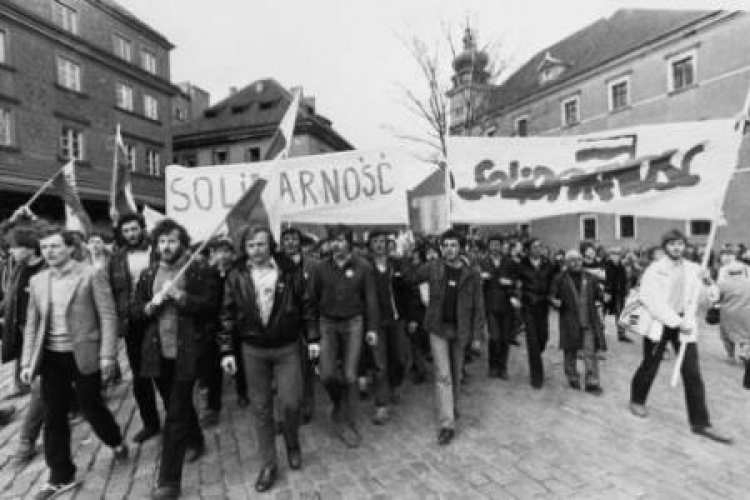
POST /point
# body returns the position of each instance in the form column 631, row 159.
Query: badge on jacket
column 349, row 273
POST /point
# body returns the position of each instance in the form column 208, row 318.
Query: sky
column 352, row 55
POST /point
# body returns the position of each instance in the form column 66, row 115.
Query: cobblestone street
column 513, row 442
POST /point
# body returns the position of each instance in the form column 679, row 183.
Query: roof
column 259, row 106
column 593, row 46
column 122, row 11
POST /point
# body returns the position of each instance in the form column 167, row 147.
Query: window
column 130, row 152
column 180, row 114
column 65, row 17
column 68, row 74
column 252, row 154
column 3, row 46
column 6, row 127
column 221, row 156
column 71, row 143
column 125, row 96
column 570, row 112
column 682, row 71
column 148, row 61
column 589, row 229
column 150, row 107
column 699, row 227
column 153, row 161
column 522, row 126
column 619, row 94
column 625, row 227
column 123, row 48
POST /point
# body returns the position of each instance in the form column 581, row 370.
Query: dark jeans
column 143, row 387
column 60, row 381
column 34, row 418
column 341, row 342
column 388, row 361
column 240, row 378
column 181, row 427
column 500, row 327
column 263, row 366
column 695, row 393
column 536, row 320
column 209, row 366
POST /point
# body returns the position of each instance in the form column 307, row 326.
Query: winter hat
column 672, row 235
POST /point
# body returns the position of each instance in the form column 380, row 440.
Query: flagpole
column 711, row 238
column 113, row 215
column 42, row 188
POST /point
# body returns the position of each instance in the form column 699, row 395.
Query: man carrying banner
column 267, row 306
column 132, row 258
column 345, row 297
column 454, row 318
column 668, row 292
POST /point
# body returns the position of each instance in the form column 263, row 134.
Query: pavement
column 513, row 442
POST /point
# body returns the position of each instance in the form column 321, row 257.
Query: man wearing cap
column 346, row 301
column 670, row 291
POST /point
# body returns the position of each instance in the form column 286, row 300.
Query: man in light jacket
column 69, row 341
column 671, row 289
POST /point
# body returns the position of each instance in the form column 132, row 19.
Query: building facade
column 70, row 71
column 239, row 129
column 634, row 67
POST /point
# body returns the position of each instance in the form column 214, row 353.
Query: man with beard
column 132, row 258
column 670, row 289
column 170, row 304
column 291, row 246
column 27, row 255
column 267, row 306
column 535, row 276
column 577, row 296
column 70, row 341
column 346, row 302
column 454, row 319
column 500, row 302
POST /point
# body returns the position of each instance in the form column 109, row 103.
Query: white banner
column 673, row 171
column 353, row 187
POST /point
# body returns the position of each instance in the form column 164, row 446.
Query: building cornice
column 655, row 44
column 31, row 21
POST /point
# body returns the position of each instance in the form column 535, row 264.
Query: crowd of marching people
column 360, row 317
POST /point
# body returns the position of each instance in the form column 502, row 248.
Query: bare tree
column 430, row 103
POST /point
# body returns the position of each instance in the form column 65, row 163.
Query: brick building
column 239, row 128
column 634, row 67
column 70, row 71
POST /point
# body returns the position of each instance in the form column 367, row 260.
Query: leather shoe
column 295, row 459
column 145, row 434
column 166, row 493
column 445, row 436
column 712, row 434
column 596, row 390
column 625, row 339
column 638, row 410
column 574, row 384
column 195, row 452
column 266, row 478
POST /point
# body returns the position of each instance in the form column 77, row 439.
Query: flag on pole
column 121, row 201
column 281, row 141
column 249, row 210
column 152, row 217
column 76, row 218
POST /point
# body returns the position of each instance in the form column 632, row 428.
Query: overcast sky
column 349, row 54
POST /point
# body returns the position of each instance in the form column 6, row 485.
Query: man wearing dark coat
column 577, row 294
